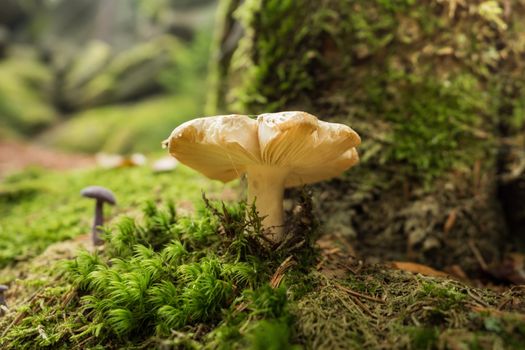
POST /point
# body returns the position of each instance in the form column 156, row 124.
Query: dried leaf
column 451, row 220
column 417, row 268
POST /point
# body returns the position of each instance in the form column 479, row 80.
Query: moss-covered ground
column 40, row 207
column 205, row 279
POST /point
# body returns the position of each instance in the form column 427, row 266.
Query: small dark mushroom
column 101, row 195
column 3, row 304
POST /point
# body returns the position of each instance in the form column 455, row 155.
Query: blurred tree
column 97, row 52
column 435, row 89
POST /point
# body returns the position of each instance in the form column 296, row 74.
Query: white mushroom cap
column 222, row 147
column 219, row 147
column 313, row 150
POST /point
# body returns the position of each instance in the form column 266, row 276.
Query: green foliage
column 135, row 127
column 188, row 76
column 129, row 74
column 25, row 96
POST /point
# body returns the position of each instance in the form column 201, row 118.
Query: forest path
column 17, row 155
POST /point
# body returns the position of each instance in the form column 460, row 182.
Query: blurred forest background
column 92, row 75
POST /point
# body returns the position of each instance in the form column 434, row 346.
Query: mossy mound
column 209, row 281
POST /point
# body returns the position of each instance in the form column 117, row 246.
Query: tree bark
column 436, row 89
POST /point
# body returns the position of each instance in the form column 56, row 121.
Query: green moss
column 424, row 338
column 267, row 58
column 396, row 4
column 436, row 124
column 39, row 208
column 448, row 296
column 143, row 288
column 270, row 335
column 171, row 281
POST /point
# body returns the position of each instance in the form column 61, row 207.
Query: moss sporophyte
column 275, row 151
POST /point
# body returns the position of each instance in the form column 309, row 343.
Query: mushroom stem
column 98, row 221
column 266, row 188
column 3, row 304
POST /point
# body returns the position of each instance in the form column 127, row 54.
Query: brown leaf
column 417, row 268
column 451, row 220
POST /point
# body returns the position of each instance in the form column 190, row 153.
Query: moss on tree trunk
column 436, row 89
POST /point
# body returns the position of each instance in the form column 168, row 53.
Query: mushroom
column 101, row 195
column 275, row 151
column 3, row 304
column 165, row 164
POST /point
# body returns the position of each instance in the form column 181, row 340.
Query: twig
column 279, row 273
column 28, row 300
column 364, row 307
column 20, row 315
column 320, row 263
column 15, row 321
column 346, row 266
column 68, row 297
column 477, row 298
column 359, row 295
column 477, row 254
column 503, row 304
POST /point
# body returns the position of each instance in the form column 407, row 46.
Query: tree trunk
column 436, row 89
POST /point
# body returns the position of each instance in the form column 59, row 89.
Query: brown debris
column 477, row 254
column 281, row 270
column 451, row 220
column 511, row 269
column 417, row 268
column 360, row 295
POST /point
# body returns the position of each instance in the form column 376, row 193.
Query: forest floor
column 331, row 300
column 17, row 155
